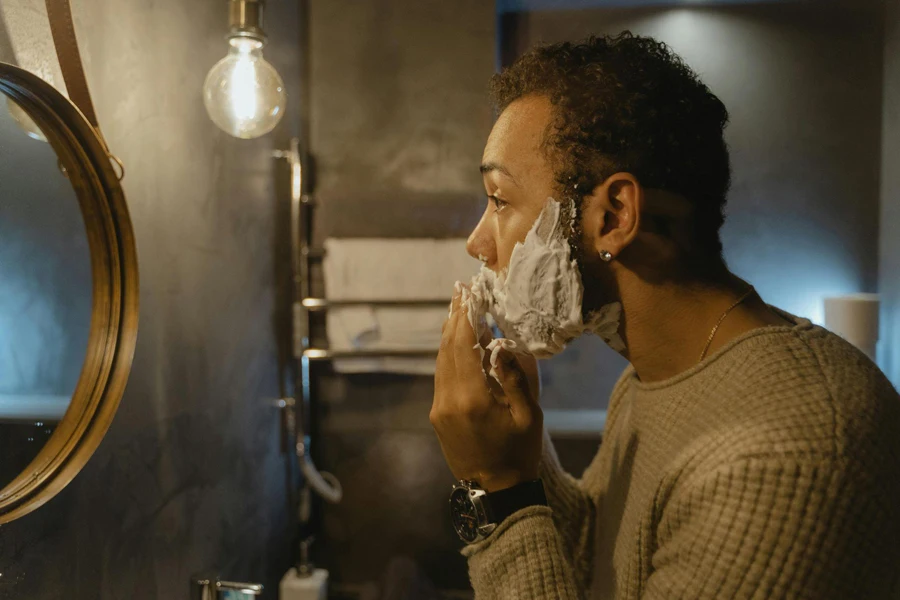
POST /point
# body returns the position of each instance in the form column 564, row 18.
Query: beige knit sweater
column 770, row 470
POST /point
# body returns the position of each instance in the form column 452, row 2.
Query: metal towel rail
column 308, row 305
column 325, row 484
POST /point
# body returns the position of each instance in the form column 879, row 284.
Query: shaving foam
column 537, row 300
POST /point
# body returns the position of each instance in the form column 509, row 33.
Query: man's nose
column 481, row 245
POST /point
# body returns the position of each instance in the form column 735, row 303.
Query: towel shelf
column 321, row 304
column 307, row 305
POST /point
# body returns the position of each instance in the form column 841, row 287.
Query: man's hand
column 489, row 432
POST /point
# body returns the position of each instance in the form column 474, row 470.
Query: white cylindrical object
column 855, row 318
column 312, row 587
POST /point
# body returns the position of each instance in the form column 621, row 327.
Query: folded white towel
column 366, row 269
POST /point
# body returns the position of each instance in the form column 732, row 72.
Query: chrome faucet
column 213, row 588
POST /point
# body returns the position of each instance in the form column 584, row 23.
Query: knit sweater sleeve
column 539, row 552
column 777, row 528
column 522, row 559
column 574, row 513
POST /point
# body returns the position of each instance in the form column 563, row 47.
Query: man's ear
column 612, row 214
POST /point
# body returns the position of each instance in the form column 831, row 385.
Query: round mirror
column 68, row 291
column 45, row 296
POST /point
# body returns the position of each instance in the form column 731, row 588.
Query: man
column 747, row 452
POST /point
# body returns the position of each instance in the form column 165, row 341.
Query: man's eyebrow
column 492, row 166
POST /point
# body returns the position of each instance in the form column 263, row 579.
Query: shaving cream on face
column 537, row 300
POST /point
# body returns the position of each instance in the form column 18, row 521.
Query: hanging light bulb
column 243, row 94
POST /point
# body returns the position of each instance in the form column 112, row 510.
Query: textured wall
column 25, row 40
column 189, row 477
column 803, row 87
column 889, row 284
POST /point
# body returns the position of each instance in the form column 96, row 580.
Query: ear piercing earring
column 605, row 256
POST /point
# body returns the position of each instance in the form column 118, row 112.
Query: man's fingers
column 466, row 354
column 517, row 391
column 444, row 373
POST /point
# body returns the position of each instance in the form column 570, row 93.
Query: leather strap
column 63, row 30
column 504, row 503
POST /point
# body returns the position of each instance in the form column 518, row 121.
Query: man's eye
column 498, row 203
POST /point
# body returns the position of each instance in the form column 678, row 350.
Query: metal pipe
column 324, row 484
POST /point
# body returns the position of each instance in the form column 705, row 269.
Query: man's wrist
column 504, row 503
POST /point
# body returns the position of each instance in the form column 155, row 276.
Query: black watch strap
column 503, row 503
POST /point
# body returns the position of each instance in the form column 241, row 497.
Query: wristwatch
column 476, row 513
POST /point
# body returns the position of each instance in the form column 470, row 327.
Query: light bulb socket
column 245, row 19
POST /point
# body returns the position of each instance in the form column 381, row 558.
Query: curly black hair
column 628, row 103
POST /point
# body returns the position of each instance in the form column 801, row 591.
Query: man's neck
column 667, row 326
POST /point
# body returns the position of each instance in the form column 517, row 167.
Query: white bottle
column 313, row 586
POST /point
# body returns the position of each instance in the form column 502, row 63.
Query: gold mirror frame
column 114, row 315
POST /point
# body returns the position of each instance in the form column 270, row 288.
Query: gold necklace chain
column 712, row 333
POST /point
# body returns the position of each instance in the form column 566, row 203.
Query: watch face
column 462, row 511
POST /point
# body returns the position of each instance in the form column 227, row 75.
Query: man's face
column 517, row 179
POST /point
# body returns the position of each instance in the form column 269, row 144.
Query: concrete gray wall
column 190, row 476
column 889, row 254
column 802, row 83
